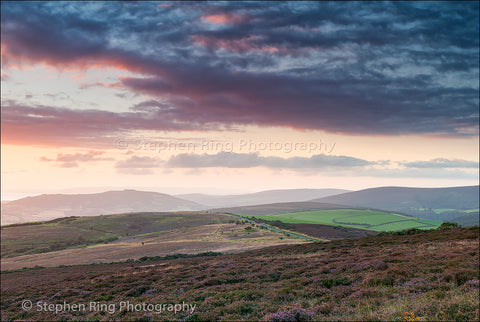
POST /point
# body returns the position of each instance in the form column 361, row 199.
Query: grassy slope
column 356, row 218
column 64, row 241
column 439, row 211
column 433, row 274
column 74, row 232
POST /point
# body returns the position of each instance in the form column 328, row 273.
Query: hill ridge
column 51, row 206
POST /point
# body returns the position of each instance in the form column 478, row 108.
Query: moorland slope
column 430, row 275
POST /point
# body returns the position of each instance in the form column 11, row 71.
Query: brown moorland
column 431, row 275
column 113, row 238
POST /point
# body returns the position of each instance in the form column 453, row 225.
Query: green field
column 439, row 211
column 355, row 218
column 472, row 210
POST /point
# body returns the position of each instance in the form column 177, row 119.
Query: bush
column 448, row 225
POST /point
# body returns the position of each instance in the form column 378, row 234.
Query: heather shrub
column 455, row 311
column 473, row 283
column 326, row 307
column 335, row 281
column 290, row 315
column 286, row 294
column 385, row 280
column 377, row 282
column 138, row 291
column 363, row 293
column 240, row 308
column 461, row 276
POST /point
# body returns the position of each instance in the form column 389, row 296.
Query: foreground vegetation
column 425, row 275
column 355, row 218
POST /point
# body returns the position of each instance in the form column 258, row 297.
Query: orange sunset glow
column 291, row 100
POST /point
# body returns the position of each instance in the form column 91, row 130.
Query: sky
column 233, row 97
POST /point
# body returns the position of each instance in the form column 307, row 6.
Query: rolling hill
column 109, row 238
column 419, row 202
column 280, row 208
column 50, row 206
column 262, row 197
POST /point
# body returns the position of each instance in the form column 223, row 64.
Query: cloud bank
column 249, row 160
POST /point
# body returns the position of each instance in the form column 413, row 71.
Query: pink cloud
column 71, row 160
column 224, row 18
column 49, row 126
column 101, row 84
column 20, row 56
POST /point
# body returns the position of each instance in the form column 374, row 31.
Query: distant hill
column 52, row 206
column 280, row 208
column 420, row 202
column 263, row 197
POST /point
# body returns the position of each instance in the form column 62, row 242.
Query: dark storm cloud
column 48, row 125
column 343, row 67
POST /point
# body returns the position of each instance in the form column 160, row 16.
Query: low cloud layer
column 250, row 160
column 72, row 160
column 441, row 163
column 137, row 165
